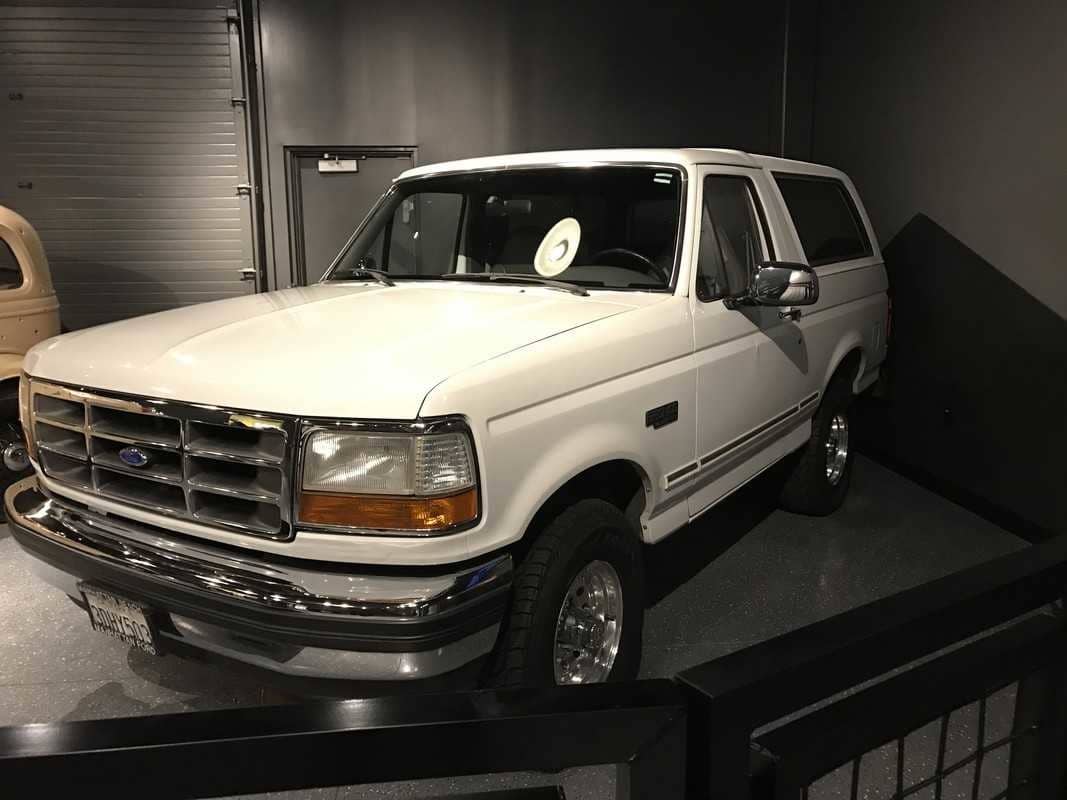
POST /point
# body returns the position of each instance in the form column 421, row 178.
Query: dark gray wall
column 952, row 119
column 461, row 79
column 957, row 109
column 950, row 116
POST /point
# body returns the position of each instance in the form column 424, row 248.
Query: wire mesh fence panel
column 993, row 748
column 962, row 755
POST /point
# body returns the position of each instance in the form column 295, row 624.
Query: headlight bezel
column 452, row 424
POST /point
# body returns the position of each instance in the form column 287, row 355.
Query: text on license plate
column 120, row 618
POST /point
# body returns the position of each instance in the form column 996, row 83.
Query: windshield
column 610, row 227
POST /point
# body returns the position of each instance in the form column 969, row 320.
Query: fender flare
column 850, row 342
column 10, row 366
column 584, row 450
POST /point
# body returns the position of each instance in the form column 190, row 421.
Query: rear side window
column 10, row 271
column 825, row 217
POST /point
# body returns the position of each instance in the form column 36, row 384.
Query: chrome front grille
column 221, row 468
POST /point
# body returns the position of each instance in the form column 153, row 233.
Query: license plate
column 124, row 619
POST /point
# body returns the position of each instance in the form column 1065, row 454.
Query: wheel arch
column 620, row 481
column 9, row 395
column 10, row 367
column 849, row 359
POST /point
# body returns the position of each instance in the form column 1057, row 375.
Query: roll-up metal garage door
column 123, row 140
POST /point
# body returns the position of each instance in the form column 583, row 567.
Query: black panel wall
column 460, row 79
column 950, row 116
column 952, row 119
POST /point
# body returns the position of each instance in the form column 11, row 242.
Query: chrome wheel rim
column 589, row 626
column 837, row 449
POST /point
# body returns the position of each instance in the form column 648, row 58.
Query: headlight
column 416, row 483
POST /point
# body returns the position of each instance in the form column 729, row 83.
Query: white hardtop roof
column 682, row 156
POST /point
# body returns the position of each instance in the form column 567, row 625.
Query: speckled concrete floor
column 743, row 573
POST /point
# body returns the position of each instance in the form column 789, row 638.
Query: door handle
column 248, row 274
column 789, row 313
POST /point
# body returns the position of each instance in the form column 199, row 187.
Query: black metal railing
column 973, row 726
column 639, row 726
column 957, row 688
column 734, row 697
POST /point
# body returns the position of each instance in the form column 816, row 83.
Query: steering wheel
column 647, row 264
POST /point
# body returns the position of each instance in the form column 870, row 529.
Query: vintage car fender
column 28, row 313
column 10, row 366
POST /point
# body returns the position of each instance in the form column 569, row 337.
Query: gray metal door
column 122, row 143
column 332, row 202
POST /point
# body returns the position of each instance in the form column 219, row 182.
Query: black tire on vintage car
column 822, row 471
column 10, row 434
column 578, row 603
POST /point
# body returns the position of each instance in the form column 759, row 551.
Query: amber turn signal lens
column 389, row 513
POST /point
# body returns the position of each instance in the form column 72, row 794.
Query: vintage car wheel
column 820, row 478
column 12, row 451
column 578, row 603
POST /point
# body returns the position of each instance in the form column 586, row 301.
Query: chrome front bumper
column 294, row 617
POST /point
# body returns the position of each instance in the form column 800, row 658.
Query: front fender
column 10, row 366
column 569, row 455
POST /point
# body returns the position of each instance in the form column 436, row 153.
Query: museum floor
column 743, row 573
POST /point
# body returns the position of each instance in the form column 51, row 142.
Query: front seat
column 735, row 266
column 517, row 254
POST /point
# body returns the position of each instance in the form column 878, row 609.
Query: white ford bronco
column 517, row 373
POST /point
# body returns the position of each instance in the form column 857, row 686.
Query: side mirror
column 784, row 283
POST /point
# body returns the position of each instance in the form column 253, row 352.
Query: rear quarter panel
column 850, row 314
column 853, row 304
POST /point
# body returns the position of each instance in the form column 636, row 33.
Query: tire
column 590, row 532
column 10, row 432
column 810, row 488
column 9, row 400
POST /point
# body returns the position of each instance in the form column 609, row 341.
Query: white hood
column 347, row 350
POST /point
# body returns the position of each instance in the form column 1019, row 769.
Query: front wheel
column 578, row 603
column 820, row 478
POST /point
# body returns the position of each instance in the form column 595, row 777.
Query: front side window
column 730, row 242
column 825, row 217
column 604, row 227
column 10, row 271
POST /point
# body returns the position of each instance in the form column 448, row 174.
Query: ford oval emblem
column 133, row 456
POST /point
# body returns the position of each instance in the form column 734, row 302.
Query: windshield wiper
column 375, row 275
column 504, row 277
